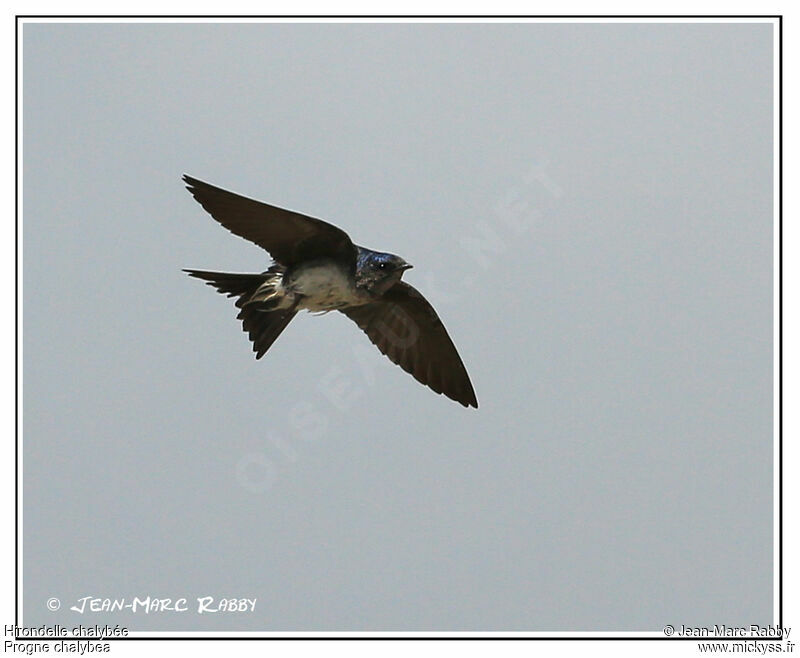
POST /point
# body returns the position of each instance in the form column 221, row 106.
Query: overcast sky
column 588, row 207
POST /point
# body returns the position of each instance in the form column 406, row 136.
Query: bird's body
column 323, row 286
column 317, row 268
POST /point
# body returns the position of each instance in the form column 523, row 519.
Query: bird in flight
column 316, row 267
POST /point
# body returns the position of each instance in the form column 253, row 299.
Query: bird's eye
column 383, row 265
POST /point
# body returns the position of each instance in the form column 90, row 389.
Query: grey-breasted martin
column 316, row 267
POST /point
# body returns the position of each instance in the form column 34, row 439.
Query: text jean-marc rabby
column 149, row 604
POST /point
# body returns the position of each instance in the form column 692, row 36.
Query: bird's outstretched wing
column 288, row 236
column 404, row 326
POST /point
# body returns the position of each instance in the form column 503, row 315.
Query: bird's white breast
column 324, row 287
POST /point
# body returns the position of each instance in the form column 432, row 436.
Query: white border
column 776, row 328
column 378, row 19
column 465, row 635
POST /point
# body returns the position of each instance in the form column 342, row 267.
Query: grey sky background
column 616, row 324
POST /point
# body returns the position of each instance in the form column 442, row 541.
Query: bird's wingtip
column 466, row 401
column 190, row 181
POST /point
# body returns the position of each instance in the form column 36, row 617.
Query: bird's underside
column 318, row 268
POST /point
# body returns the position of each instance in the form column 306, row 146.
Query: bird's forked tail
column 261, row 317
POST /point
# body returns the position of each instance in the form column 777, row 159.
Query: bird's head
column 378, row 271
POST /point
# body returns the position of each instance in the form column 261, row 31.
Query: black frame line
column 18, row 22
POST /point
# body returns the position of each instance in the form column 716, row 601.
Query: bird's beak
column 405, row 267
